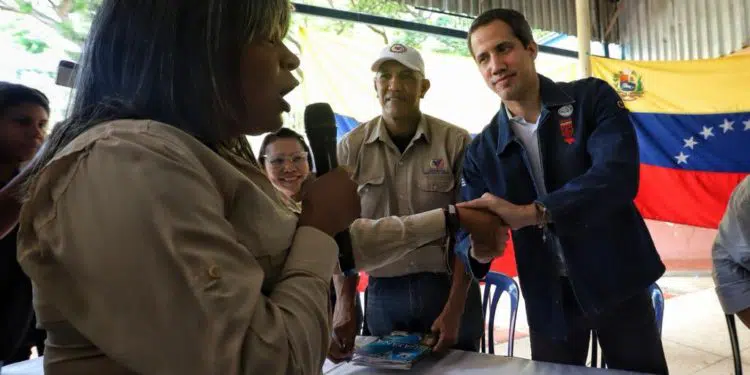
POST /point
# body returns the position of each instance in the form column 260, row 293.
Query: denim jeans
column 413, row 302
column 628, row 336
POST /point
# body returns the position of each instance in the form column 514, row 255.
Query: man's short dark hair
column 512, row 18
column 13, row 94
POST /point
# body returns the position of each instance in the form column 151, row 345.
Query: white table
column 30, row 367
column 467, row 363
column 455, row 362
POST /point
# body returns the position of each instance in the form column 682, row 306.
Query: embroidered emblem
column 566, row 130
column 565, row 111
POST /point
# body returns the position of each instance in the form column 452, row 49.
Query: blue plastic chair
column 657, row 299
column 502, row 283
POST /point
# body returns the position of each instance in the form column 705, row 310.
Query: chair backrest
column 502, row 283
column 657, row 299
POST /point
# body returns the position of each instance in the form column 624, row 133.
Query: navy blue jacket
column 591, row 170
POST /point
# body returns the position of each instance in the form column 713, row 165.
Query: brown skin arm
column 448, row 324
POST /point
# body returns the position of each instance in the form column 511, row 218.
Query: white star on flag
column 690, row 143
column 682, row 158
column 727, row 125
column 747, row 124
column 708, row 131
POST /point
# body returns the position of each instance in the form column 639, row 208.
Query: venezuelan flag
column 693, row 125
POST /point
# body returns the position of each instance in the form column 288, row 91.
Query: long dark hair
column 177, row 62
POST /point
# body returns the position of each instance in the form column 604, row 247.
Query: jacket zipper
column 543, row 118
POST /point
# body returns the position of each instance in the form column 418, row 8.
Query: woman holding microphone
column 156, row 243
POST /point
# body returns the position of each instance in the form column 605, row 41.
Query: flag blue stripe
column 712, row 143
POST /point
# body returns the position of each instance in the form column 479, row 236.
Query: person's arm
column 10, row 202
column 612, row 180
column 472, row 187
column 730, row 254
column 154, row 276
column 10, row 207
column 376, row 243
column 740, row 202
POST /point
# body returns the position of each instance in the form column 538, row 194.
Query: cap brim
column 376, row 65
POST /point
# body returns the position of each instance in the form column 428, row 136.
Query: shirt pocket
column 373, row 195
column 435, row 191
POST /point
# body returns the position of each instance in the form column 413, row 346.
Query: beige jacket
column 152, row 254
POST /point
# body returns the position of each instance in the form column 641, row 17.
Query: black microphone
column 320, row 126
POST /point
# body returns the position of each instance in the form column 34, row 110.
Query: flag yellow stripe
column 680, row 87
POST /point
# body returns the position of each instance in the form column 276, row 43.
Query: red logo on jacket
column 566, row 130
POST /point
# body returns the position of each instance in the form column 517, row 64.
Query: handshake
column 331, row 203
column 488, row 220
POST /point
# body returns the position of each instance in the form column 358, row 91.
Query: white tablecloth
column 30, row 367
column 455, row 362
column 466, row 363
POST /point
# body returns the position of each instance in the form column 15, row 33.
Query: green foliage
column 33, row 45
column 71, row 19
column 398, row 10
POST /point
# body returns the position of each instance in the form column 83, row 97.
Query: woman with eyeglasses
column 287, row 160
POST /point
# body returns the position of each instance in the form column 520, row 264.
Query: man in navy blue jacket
column 559, row 164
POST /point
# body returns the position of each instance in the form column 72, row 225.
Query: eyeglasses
column 278, row 161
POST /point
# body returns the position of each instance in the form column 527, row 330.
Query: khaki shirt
column 152, row 254
column 423, row 178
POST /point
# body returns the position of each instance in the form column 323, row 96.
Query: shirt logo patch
column 566, row 130
column 437, row 166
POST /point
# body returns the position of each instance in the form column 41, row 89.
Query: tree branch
column 295, row 42
column 47, row 21
column 379, row 32
column 41, row 17
column 63, row 10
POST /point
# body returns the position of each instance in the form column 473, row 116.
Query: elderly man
column 406, row 162
column 731, row 254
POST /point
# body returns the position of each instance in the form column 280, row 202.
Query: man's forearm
column 459, row 286
column 346, row 289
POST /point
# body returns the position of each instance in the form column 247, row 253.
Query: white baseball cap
column 408, row 56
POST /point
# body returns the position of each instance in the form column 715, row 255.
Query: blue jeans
column 627, row 334
column 413, row 302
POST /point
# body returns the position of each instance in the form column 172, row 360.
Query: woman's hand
column 489, row 234
column 330, row 203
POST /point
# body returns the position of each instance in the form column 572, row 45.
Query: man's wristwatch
column 452, row 221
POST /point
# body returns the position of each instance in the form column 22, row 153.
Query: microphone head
column 319, row 116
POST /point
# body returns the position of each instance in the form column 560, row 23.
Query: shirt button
column 400, row 163
column 214, row 272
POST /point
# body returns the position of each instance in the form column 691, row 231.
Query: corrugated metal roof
column 551, row 15
column 683, row 29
